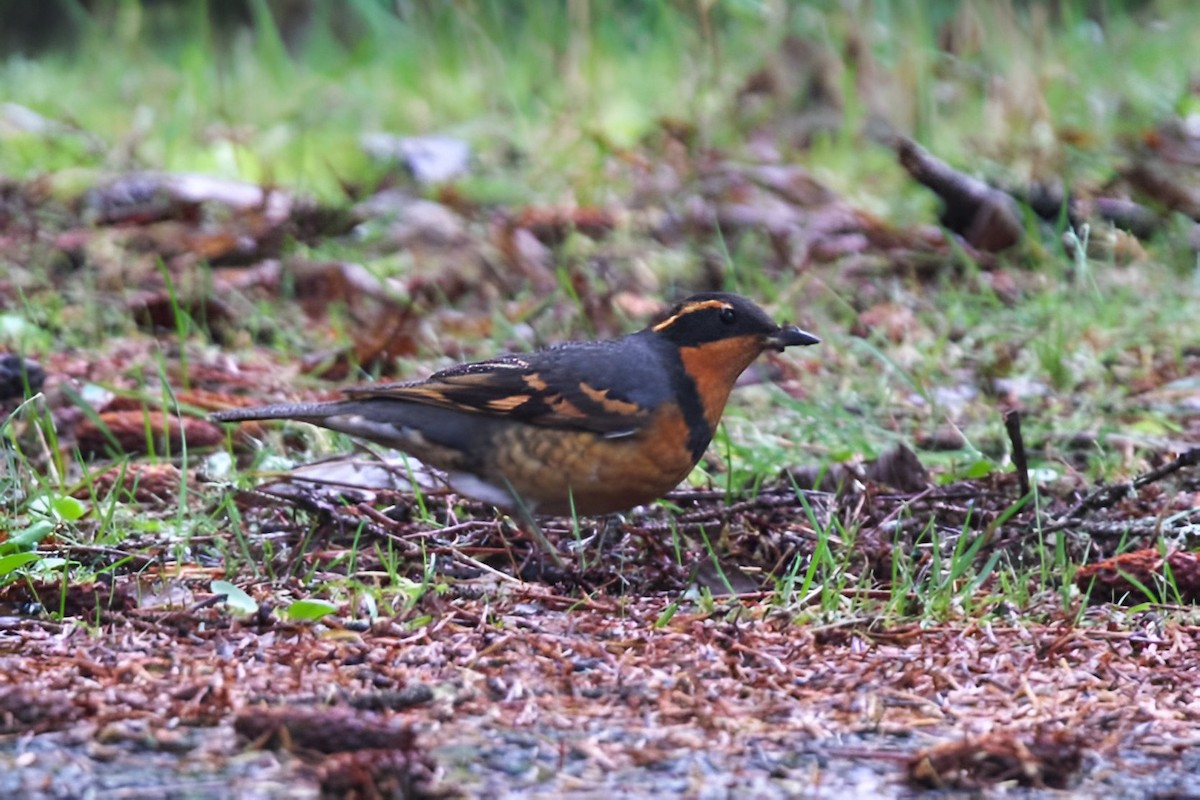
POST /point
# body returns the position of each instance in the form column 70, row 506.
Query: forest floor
column 951, row 547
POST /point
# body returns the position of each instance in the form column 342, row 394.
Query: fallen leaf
column 1041, row 760
column 1122, row 577
column 985, row 217
column 127, row 432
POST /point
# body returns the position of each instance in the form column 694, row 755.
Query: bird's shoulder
column 610, row 387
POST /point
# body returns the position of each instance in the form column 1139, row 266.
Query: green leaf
column 14, row 561
column 67, row 508
column 309, row 610
column 235, row 598
column 58, row 507
column 1153, row 426
column 980, row 469
column 27, row 539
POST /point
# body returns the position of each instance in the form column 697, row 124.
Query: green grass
column 161, row 88
column 172, row 93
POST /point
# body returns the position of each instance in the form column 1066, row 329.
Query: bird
column 583, row 428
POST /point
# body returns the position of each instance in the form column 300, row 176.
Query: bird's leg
column 526, row 522
column 613, row 526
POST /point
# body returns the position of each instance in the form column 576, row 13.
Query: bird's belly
column 551, row 469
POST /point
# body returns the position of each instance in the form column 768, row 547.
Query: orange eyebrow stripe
column 690, row 308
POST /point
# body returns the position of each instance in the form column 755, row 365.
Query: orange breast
column 550, row 467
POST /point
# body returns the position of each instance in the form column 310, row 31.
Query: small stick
column 1107, row 496
column 1012, row 424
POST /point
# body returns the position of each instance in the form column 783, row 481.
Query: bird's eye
column 728, row 316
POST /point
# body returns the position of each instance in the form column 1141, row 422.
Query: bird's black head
column 718, row 316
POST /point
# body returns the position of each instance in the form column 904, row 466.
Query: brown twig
column 1107, row 496
column 1012, row 424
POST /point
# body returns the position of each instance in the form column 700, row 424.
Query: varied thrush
column 589, row 427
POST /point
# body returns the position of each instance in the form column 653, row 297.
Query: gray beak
column 790, row 336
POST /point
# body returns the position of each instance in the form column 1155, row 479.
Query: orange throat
column 715, row 367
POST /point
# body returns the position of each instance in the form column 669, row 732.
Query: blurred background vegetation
column 279, row 91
